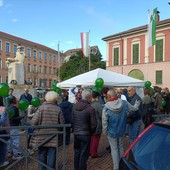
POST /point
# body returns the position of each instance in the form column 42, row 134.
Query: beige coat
column 47, row 114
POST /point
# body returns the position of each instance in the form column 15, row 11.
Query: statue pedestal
column 16, row 72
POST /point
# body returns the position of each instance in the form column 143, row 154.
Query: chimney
column 157, row 16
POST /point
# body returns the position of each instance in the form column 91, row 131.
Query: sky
column 53, row 22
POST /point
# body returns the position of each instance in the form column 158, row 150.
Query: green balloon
column 54, row 84
column 147, row 84
column 58, row 90
column 35, row 101
column 99, row 82
column 151, row 89
column 23, row 104
column 4, row 89
column 11, row 112
column 53, row 89
column 95, row 89
column 163, row 102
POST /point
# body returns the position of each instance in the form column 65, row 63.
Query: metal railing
column 31, row 154
column 160, row 117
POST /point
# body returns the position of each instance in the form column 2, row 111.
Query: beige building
column 69, row 53
column 41, row 63
column 128, row 54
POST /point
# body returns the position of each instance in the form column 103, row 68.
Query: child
column 14, row 121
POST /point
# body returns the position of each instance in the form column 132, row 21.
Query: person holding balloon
column 14, row 119
column 158, row 100
column 4, row 121
column 28, row 97
column 10, row 95
column 166, row 100
column 95, row 138
column 32, row 108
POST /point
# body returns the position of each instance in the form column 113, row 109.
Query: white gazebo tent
column 110, row 79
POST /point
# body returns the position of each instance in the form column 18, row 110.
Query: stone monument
column 16, row 67
column 16, row 74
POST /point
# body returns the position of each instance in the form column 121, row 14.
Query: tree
column 78, row 65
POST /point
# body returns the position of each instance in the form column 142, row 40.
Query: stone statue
column 16, row 67
column 20, row 56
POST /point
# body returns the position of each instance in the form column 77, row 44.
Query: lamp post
column 58, row 61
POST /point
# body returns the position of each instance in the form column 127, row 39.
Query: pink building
column 127, row 53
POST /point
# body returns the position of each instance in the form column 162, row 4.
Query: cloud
column 69, row 42
column 101, row 18
column 1, row 3
column 14, row 20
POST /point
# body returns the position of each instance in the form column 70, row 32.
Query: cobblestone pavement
column 102, row 163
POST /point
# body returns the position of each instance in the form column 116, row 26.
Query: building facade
column 128, row 53
column 41, row 63
column 69, row 53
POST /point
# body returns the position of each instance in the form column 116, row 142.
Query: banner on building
column 85, row 43
column 152, row 28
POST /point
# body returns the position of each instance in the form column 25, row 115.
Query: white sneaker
column 4, row 164
column 17, row 157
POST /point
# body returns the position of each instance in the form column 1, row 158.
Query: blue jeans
column 116, row 145
column 68, row 135
column 15, row 140
column 134, row 130
column 81, row 151
column 3, row 151
column 47, row 155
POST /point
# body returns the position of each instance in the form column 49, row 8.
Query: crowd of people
column 114, row 112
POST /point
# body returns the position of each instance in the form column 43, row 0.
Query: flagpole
column 58, row 61
column 151, row 32
column 89, row 53
column 147, row 58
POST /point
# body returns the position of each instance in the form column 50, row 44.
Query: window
column 49, row 70
column 54, row 70
column 45, row 69
column 6, row 79
column 35, row 68
column 54, row 59
column 159, row 50
column 50, row 82
column 50, row 57
column 15, row 48
column 0, row 63
column 135, row 53
column 0, row 45
column 159, row 77
column 35, row 82
column 40, row 69
column 29, row 52
column 7, row 47
column 45, row 56
column 41, row 83
column 35, row 54
column 40, row 55
column 116, row 56
column 45, row 82
column 29, row 67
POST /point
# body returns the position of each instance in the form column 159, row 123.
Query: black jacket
column 84, row 118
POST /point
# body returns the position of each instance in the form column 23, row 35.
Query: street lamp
column 169, row 3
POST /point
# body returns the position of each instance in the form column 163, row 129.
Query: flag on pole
column 85, row 43
column 152, row 28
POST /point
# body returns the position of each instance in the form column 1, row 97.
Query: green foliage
column 78, row 65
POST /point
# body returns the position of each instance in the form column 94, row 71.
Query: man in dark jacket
column 66, row 108
column 84, row 125
column 135, row 117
